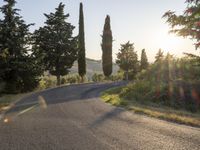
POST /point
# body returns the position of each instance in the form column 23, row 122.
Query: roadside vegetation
column 169, row 88
column 115, row 97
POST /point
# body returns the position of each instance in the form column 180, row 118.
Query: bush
column 47, row 82
column 170, row 82
column 50, row 81
column 98, row 77
column 75, row 78
column 137, row 91
column 116, row 77
column 63, row 81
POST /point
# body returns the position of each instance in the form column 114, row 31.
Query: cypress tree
column 81, row 45
column 107, row 48
column 144, row 61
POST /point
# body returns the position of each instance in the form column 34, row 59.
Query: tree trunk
column 58, row 80
column 82, row 79
column 126, row 75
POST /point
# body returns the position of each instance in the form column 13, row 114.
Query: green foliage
column 115, row 97
column 169, row 82
column 116, row 77
column 159, row 56
column 51, row 81
column 74, row 78
column 187, row 24
column 106, row 45
column 138, row 91
column 55, row 44
column 19, row 69
column 98, row 77
column 4, row 54
column 127, row 59
column 144, row 61
column 101, row 78
column 81, row 45
column 47, row 82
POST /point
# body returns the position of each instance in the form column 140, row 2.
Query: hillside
column 93, row 66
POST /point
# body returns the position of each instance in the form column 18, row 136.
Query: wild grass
column 113, row 97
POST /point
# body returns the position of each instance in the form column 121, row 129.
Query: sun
column 168, row 42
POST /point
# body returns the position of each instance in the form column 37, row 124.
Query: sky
column 137, row 21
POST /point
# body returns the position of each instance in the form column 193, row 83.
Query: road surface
column 76, row 119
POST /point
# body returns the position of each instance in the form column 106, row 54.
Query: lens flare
column 42, row 102
column 6, row 120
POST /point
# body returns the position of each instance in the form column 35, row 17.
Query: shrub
column 139, row 90
column 98, row 77
column 170, row 82
column 47, row 82
column 75, row 78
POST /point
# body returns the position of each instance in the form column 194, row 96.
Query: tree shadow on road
column 115, row 114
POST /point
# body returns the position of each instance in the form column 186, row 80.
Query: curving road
column 76, row 119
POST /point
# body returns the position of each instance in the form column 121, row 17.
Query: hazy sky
column 137, row 21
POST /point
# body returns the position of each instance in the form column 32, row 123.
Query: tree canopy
column 187, row 24
column 56, row 44
column 127, row 58
column 19, row 70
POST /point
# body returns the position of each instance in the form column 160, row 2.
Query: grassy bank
column 113, row 97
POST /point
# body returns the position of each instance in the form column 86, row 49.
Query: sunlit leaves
column 187, row 24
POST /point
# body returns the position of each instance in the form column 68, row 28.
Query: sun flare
column 168, row 42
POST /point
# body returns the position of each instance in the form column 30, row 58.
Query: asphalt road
column 76, row 119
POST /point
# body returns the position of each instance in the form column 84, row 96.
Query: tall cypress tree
column 18, row 67
column 144, row 61
column 81, row 45
column 107, row 48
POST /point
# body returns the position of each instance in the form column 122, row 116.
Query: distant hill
column 93, row 66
